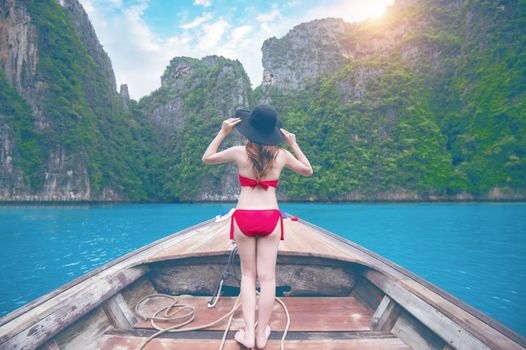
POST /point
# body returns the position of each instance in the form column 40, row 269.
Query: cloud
column 205, row 3
column 140, row 56
column 240, row 32
column 196, row 22
column 349, row 10
column 293, row 3
column 269, row 16
column 212, row 33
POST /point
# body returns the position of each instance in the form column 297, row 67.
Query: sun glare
column 373, row 8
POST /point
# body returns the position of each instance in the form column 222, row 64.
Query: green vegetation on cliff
column 85, row 114
column 486, row 119
column 377, row 138
column 29, row 147
column 433, row 103
column 208, row 95
column 442, row 112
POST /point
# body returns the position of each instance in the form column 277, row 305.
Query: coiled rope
column 172, row 310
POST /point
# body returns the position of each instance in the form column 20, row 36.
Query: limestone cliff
column 88, row 37
column 414, row 105
column 317, row 49
column 194, row 98
column 184, row 79
column 32, row 73
column 308, row 51
column 19, row 56
column 425, row 103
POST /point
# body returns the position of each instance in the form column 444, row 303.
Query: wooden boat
column 339, row 296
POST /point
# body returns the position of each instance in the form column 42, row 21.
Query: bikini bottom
column 256, row 222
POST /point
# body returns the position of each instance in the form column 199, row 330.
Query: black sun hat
column 260, row 125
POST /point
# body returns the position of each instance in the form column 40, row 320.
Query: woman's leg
column 247, row 254
column 267, row 251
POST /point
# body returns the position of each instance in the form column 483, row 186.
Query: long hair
column 261, row 156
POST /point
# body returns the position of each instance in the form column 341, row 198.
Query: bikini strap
column 281, row 218
column 232, row 225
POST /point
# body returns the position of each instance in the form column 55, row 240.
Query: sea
column 475, row 251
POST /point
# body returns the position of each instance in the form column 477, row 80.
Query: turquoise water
column 477, row 252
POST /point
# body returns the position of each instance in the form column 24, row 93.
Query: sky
column 142, row 36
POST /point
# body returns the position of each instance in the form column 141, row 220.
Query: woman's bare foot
column 261, row 339
column 244, row 339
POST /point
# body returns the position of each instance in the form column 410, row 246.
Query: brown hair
column 261, row 156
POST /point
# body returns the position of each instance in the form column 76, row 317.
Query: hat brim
column 273, row 138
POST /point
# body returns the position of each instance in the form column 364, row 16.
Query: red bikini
column 256, row 222
column 246, row 181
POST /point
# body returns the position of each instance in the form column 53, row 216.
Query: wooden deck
column 300, row 239
column 307, row 313
column 130, row 342
column 316, row 323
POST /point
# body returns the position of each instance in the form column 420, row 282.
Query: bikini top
column 246, row 181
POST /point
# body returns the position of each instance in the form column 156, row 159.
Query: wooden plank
column 415, row 334
column 133, row 343
column 443, row 326
column 137, row 290
column 471, row 318
column 119, row 313
column 459, row 325
column 367, row 292
column 481, row 330
column 311, row 242
column 276, row 334
column 69, row 311
column 90, row 326
column 210, row 240
column 385, row 315
column 307, row 313
column 50, row 345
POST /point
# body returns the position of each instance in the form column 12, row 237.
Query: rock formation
column 425, row 103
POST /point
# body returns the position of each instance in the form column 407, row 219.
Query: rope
column 175, row 328
column 225, row 275
column 189, row 316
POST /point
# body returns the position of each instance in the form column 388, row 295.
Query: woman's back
column 258, row 197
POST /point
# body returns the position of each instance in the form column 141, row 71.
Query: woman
column 254, row 223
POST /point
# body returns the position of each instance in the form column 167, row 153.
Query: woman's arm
column 211, row 156
column 301, row 158
column 301, row 165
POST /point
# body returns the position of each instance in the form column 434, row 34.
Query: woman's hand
column 228, row 125
column 289, row 138
column 300, row 165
